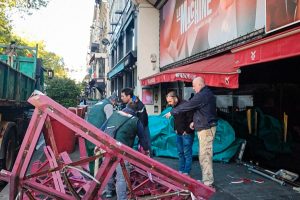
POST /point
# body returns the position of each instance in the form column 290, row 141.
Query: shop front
column 253, row 74
column 269, row 73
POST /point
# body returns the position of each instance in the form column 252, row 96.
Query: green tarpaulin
column 163, row 138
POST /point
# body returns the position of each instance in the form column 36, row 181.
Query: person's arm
column 104, row 125
column 108, row 110
column 142, row 139
column 142, row 113
column 189, row 119
column 196, row 102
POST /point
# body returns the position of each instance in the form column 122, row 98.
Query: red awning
column 219, row 71
column 279, row 46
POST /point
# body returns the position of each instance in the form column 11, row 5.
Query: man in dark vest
column 127, row 126
column 97, row 115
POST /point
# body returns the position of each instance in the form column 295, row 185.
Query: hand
column 192, row 125
column 147, row 153
column 141, row 149
column 99, row 150
column 168, row 115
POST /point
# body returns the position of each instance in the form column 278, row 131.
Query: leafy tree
column 55, row 62
column 26, row 6
column 5, row 27
column 82, row 85
column 50, row 59
column 64, row 91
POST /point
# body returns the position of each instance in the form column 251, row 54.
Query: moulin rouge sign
column 188, row 27
column 192, row 13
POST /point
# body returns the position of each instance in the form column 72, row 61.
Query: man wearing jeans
column 127, row 126
column 185, row 135
column 204, row 122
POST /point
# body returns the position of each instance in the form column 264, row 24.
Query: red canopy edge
column 282, row 45
column 219, row 71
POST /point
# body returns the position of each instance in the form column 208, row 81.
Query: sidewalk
column 4, row 194
column 226, row 173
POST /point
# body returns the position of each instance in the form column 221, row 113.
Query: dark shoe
column 212, row 186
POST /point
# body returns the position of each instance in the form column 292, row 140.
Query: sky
column 64, row 26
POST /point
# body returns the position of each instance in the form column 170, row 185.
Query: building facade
column 134, row 49
column 247, row 52
column 98, row 54
column 235, row 45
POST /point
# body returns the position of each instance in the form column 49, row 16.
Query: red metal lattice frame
column 25, row 185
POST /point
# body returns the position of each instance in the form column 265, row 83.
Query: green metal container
column 17, row 74
column 15, row 87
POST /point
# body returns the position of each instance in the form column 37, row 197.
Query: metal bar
column 82, row 151
column 67, row 160
column 104, row 173
column 181, row 193
column 31, row 144
column 69, row 186
column 266, row 176
column 60, row 167
column 59, row 186
column 5, row 175
column 158, row 180
column 14, row 178
column 127, row 178
column 48, row 126
column 141, row 184
column 54, row 177
column 46, row 190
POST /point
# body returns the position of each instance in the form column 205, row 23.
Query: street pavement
column 232, row 182
column 226, row 173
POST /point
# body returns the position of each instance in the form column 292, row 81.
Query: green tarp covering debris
column 163, row 138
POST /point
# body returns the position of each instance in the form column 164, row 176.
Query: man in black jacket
column 204, row 122
column 128, row 96
column 184, row 134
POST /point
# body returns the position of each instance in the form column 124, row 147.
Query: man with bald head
column 204, row 122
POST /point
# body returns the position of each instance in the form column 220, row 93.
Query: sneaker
column 108, row 194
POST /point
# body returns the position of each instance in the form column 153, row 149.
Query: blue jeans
column 121, row 185
column 148, row 138
column 185, row 153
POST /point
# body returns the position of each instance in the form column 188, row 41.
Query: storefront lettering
column 227, row 80
column 151, row 80
column 253, row 55
column 185, row 76
column 193, row 13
